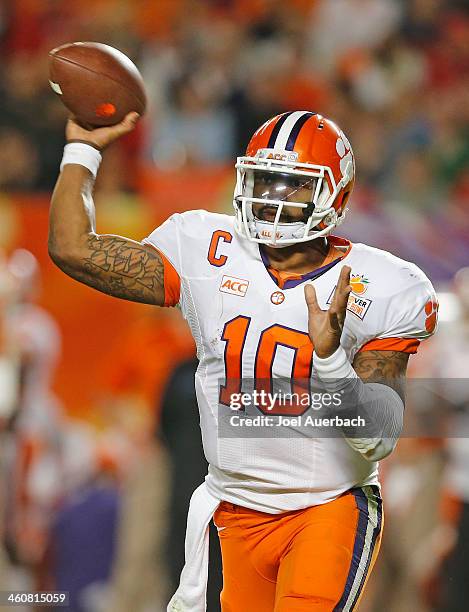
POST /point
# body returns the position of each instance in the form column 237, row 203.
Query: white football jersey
column 246, row 326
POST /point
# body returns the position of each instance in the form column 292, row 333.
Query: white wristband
column 335, row 366
column 82, row 154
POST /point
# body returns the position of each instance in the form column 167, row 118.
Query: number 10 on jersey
column 235, row 334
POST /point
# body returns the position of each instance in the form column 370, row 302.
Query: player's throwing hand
column 103, row 136
column 325, row 326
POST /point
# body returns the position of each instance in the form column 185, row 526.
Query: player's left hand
column 325, row 326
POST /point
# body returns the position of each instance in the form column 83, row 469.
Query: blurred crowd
column 393, row 73
column 98, row 509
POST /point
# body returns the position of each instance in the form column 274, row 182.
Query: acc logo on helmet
column 278, row 155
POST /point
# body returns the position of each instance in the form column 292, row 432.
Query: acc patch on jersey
column 356, row 305
column 234, row 286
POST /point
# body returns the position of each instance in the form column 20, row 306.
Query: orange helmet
column 296, row 151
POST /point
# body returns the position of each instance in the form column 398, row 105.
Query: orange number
column 271, row 338
column 234, row 334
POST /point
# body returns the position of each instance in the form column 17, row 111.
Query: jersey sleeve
column 408, row 316
column 166, row 240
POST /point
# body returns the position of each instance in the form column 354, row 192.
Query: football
column 97, row 83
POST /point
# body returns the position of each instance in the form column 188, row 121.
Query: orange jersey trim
column 171, row 280
column 282, row 277
column 404, row 345
column 337, row 241
column 332, row 254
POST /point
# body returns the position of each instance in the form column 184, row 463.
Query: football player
column 269, row 293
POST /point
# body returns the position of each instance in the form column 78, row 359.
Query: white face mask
column 284, row 231
column 282, row 190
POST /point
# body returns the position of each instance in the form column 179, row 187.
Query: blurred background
column 100, row 446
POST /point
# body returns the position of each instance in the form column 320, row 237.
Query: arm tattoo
column 386, row 367
column 122, row 268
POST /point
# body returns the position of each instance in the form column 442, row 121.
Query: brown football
column 96, row 82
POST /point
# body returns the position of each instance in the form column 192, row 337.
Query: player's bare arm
column 114, row 265
column 386, row 367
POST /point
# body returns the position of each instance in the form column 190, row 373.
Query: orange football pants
column 316, row 559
